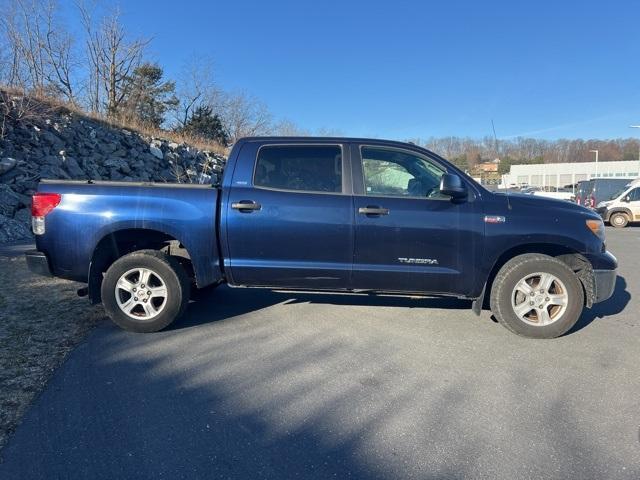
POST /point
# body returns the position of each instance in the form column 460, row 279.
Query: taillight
column 41, row 204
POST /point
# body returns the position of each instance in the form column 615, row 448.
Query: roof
column 328, row 140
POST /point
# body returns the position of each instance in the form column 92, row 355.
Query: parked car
column 623, row 206
column 557, row 193
column 600, row 189
column 324, row 214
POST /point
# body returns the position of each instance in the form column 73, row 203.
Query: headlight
column 597, row 227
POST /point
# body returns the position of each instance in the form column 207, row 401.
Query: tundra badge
column 419, row 261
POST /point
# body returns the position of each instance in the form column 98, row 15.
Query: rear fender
column 202, row 252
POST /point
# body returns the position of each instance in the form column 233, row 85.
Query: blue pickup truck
column 324, row 214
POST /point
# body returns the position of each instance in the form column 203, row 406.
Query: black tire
column 619, row 219
column 519, row 268
column 165, row 269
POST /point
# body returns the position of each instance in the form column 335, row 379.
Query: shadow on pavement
column 261, row 397
column 225, row 302
column 614, row 305
column 232, row 401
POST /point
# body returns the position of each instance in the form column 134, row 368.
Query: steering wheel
column 433, row 192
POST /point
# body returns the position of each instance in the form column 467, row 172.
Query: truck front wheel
column 537, row 296
column 145, row 291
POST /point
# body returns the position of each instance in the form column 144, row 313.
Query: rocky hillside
column 41, row 141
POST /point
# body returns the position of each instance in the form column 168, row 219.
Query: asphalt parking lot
column 258, row 384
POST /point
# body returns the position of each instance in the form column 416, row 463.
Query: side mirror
column 626, row 199
column 452, row 186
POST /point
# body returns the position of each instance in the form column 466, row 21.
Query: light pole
column 596, row 152
column 636, row 126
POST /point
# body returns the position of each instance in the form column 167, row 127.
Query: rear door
column 289, row 216
column 408, row 237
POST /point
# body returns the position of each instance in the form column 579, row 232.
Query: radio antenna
column 495, row 139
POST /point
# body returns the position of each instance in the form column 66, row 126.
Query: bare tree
column 195, row 88
column 39, row 50
column 112, row 57
column 93, row 47
column 58, row 48
column 467, row 152
column 328, row 132
column 244, row 116
column 288, row 128
column 15, row 38
column 5, row 54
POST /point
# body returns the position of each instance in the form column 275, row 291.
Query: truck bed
column 91, row 212
column 125, row 184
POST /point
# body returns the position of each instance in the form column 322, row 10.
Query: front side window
column 309, row 168
column 634, row 195
column 390, row 172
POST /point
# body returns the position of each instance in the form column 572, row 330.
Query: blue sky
column 403, row 69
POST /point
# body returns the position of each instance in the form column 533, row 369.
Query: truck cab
column 365, row 215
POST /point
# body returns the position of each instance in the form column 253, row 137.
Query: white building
column 561, row 174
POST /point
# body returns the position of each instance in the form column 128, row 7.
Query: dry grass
column 40, row 106
column 15, row 107
column 41, row 321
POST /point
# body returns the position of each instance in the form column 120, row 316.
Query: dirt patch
column 41, row 320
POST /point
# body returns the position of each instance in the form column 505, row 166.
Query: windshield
column 619, row 192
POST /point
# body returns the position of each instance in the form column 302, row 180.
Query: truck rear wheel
column 619, row 219
column 537, row 296
column 145, row 291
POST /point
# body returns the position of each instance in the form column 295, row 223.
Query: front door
column 408, row 236
column 290, row 218
column 633, row 197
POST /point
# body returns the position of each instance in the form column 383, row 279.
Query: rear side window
column 307, row 168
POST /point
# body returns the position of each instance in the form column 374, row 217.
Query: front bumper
column 600, row 282
column 38, row 263
column 602, row 211
column 604, row 284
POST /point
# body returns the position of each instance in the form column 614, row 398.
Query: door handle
column 372, row 211
column 246, row 206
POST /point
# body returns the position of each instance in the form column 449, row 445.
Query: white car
column 623, row 206
column 559, row 195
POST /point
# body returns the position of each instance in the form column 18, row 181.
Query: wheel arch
column 118, row 243
column 624, row 210
column 572, row 258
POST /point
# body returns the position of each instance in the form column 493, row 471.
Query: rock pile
column 68, row 145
